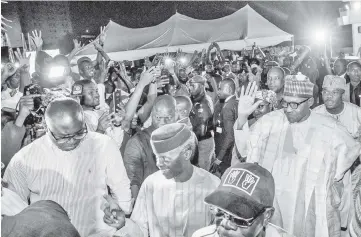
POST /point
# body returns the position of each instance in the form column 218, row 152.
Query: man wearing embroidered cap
column 348, row 114
column 309, row 156
column 243, row 203
column 171, row 201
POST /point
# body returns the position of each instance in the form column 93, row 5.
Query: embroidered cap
column 298, row 86
column 169, row 137
column 334, row 82
column 245, row 189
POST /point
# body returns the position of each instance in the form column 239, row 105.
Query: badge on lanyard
column 218, row 130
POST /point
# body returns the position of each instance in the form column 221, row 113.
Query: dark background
column 298, row 18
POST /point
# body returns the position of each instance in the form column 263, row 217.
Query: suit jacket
column 347, row 96
column 225, row 115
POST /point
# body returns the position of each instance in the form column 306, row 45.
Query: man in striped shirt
column 72, row 167
column 170, row 201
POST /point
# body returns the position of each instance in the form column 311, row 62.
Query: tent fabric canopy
column 233, row 32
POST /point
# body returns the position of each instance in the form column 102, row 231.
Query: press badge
column 218, row 129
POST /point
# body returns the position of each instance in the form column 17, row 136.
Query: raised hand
column 36, row 39
column 148, row 76
column 102, row 35
column 97, row 46
column 7, row 71
column 77, row 45
column 24, row 61
column 4, row 25
column 246, row 103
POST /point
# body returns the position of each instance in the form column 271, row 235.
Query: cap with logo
column 334, row 82
column 245, row 189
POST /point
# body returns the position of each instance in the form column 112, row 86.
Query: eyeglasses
column 77, row 136
column 239, row 222
column 293, row 105
column 262, row 106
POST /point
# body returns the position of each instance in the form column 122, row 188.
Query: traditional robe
column 166, row 208
column 310, row 163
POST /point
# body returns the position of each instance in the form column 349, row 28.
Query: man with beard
column 275, row 81
column 139, row 160
column 171, row 200
column 201, row 118
column 353, row 88
column 243, row 204
column 73, row 167
column 309, row 156
column 96, row 120
column 225, row 115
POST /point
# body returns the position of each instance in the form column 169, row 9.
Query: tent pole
column 293, row 44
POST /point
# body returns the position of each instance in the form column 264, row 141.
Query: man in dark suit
column 353, row 86
column 225, row 115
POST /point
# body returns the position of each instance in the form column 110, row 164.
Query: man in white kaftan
column 171, row 201
column 75, row 170
column 309, row 156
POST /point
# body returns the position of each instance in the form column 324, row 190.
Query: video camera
column 36, row 115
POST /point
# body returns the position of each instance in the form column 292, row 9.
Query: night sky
column 298, row 18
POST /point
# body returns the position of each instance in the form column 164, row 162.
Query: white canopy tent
column 234, row 32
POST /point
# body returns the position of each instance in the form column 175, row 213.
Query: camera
column 37, row 116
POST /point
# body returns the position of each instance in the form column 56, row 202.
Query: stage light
column 57, row 71
column 320, row 35
column 17, row 64
column 183, row 60
column 87, row 31
column 168, row 61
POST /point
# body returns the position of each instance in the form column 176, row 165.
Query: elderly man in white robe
column 308, row 154
column 171, row 201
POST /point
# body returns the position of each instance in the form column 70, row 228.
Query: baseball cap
column 83, row 59
column 245, row 189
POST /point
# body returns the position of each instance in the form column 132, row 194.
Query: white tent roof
column 234, row 32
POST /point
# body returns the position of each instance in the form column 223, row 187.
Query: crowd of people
column 257, row 143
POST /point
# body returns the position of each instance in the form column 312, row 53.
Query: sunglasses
column 239, row 222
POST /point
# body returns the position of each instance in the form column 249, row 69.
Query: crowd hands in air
column 253, row 143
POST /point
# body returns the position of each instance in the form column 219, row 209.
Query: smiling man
column 73, row 167
column 170, row 201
